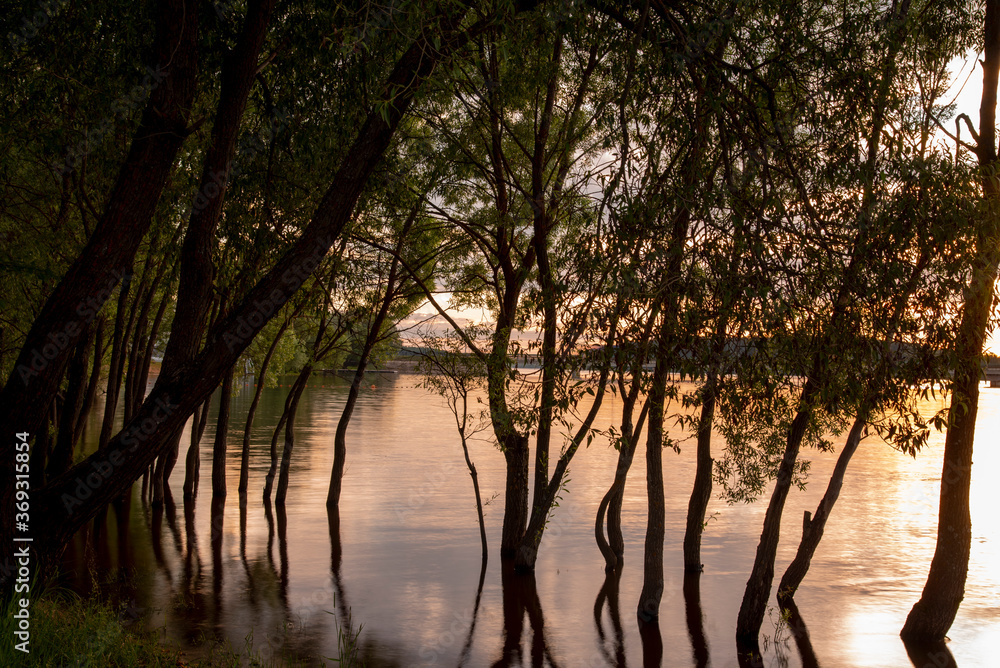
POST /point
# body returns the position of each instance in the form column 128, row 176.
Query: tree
column 68, row 502
column 932, row 615
column 455, row 373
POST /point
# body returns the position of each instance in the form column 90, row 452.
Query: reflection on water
column 695, row 619
column 402, row 559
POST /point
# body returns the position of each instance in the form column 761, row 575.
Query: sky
column 970, row 73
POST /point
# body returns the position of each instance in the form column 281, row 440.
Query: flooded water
column 403, row 557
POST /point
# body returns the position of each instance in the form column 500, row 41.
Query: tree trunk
column 933, row 614
column 161, row 471
column 62, row 454
column 252, row 411
column 272, row 471
column 613, row 548
column 115, row 366
column 222, row 437
column 652, row 564
column 758, row 590
column 701, row 493
column 515, row 512
column 192, row 462
column 479, row 502
column 340, row 437
column 110, row 250
column 196, row 286
column 372, row 338
column 90, row 394
column 286, row 454
column 812, row 527
column 69, row 502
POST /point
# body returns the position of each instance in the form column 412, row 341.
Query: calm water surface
column 403, row 558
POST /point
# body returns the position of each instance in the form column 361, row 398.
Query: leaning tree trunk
column 62, row 453
column 813, row 526
column 612, row 548
column 90, row 395
column 176, row 394
column 112, row 246
column 272, row 471
column 758, row 589
column 252, row 411
column 286, row 455
column 162, row 468
column 340, row 437
column 933, row 614
column 113, row 389
column 479, row 499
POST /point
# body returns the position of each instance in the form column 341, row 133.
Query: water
column 404, row 558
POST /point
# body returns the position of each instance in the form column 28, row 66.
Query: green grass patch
column 69, row 631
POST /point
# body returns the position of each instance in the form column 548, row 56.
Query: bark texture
column 934, row 613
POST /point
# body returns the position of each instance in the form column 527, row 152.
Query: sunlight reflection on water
column 407, row 563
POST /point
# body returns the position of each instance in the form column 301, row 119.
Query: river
column 403, row 558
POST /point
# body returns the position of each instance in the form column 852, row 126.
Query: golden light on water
column 408, row 555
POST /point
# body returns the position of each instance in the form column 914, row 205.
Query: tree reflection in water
column 797, row 627
column 695, row 618
column 520, row 598
column 930, row 655
column 615, row 655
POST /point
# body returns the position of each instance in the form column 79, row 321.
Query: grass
column 67, row 631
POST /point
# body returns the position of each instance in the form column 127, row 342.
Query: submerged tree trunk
column 933, row 614
column 340, row 437
column 701, row 493
column 272, row 470
column 612, row 548
column 515, row 512
column 176, row 394
column 192, row 461
column 475, row 484
column 372, row 338
column 812, row 527
column 252, row 411
column 652, row 564
column 222, row 437
column 758, row 589
column 286, row 455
